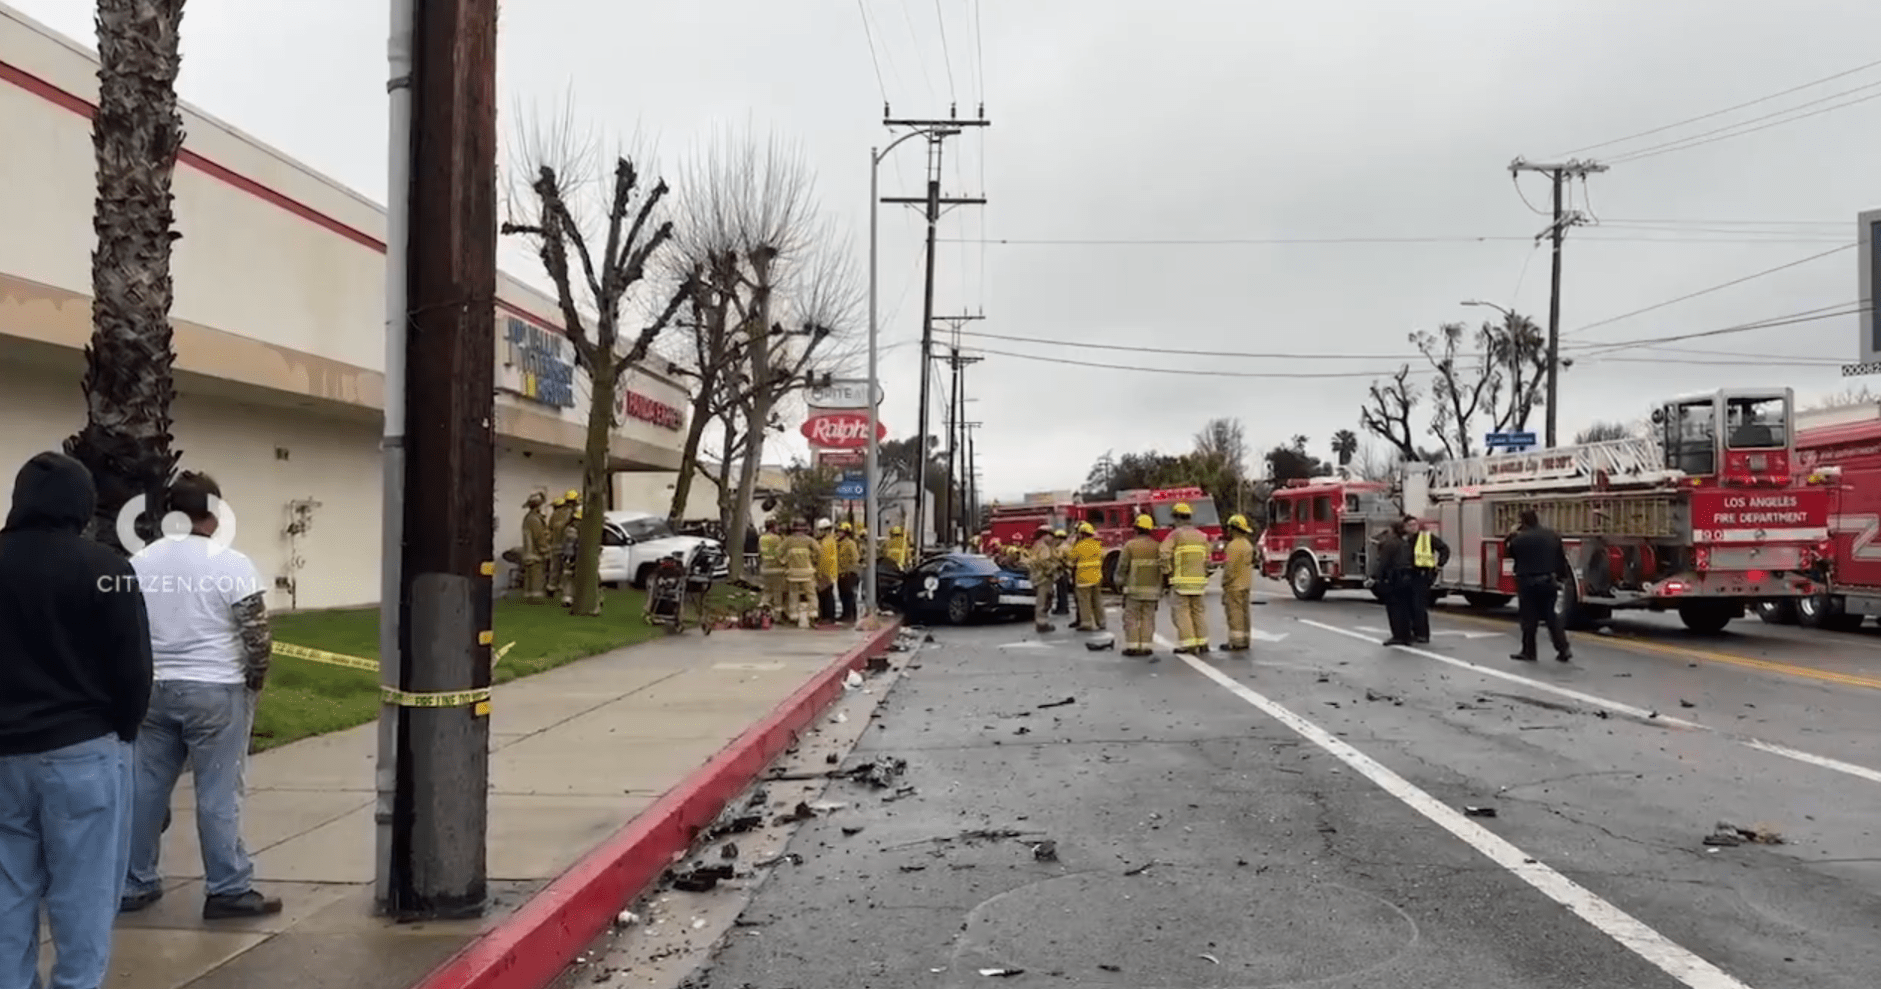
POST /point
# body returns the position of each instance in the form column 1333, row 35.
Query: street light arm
column 923, row 132
column 1479, row 302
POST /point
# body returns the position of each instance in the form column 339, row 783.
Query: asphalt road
column 1318, row 816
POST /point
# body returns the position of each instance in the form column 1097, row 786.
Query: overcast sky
column 1230, row 120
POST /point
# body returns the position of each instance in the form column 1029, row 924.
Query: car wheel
column 959, row 608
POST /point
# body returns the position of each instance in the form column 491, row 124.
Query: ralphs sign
column 841, row 430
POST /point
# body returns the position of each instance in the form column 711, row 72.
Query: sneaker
column 249, row 903
column 133, row 902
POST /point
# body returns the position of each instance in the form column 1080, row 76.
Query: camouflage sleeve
column 251, row 622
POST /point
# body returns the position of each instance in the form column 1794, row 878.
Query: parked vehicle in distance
column 633, row 543
column 960, row 587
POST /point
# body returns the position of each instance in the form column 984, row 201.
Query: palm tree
column 129, row 384
column 1345, row 443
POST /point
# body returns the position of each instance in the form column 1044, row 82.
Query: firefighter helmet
column 846, row 527
column 1182, row 510
column 572, row 495
column 1086, row 529
column 1239, row 522
column 894, row 530
column 1144, row 523
column 1060, row 533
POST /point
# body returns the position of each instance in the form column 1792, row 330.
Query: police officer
column 1392, row 579
column 1429, row 554
column 1541, row 563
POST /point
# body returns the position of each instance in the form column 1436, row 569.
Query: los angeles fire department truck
column 1706, row 514
column 1842, row 447
column 1114, row 520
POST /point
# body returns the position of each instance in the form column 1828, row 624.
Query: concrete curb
column 531, row 948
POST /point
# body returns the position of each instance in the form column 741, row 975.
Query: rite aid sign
column 844, row 395
column 841, row 430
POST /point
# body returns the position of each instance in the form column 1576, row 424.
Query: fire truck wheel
column 1576, row 616
column 1824, row 612
column 1485, row 602
column 1304, row 578
column 1777, row 612
column 1706, row 617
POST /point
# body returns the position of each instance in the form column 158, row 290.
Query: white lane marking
column 1655, row 948
column 1440, row 633
column 1824, row 762
column 1262, row 635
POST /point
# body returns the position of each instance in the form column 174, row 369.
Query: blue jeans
column 63, row 841
column 207, row 724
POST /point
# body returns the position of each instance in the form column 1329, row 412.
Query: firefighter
column 535, row 549
column 1061, row 544
column 1087, row 564
column 1043, row 567
column 1429, row 554
column 1184, row 560
column 896, row 547
column 560, row 511
column 1237, row 582
column 568, row 550
column 826, row 570
column 799, row 553
column 1139, row 570
column 771, row 567
column 848, row 570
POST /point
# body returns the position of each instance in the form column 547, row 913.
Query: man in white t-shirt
column 210, row 643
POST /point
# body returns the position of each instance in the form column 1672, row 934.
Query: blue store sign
column 544, row 364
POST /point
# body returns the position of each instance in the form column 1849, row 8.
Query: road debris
column 702, row 879
column 1063, row 703
column 1001, row 973
column 1479, row 812
column 853, row 681
column 1373, row 695
column 626, row 918
column 1045, row 851
column 851, row 830
column 1728, row 835
column 730, row 851
column 1139, row 870
column 901, row 793
column 788, row 858
column 737, row 825
column 1208, row 957
column 1110, row 968
column 801, row 812
column 1685, row 703
column 878, row 664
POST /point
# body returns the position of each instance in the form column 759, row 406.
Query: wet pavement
column 1329, row 813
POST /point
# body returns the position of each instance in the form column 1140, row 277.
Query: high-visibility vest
column 771, row 552
column 1424, row 556
column 1185, row 559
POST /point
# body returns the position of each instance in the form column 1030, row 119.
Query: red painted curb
column 531, row 948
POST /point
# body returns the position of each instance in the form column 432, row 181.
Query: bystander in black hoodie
column 74, row 637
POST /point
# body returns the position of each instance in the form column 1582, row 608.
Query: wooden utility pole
column 1562, row 220
column 440, row 810
column 936, row 132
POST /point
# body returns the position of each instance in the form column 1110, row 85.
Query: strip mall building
column 279, row 335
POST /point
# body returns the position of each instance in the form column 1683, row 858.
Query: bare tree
column 776, row 293
column 1387, row 411
column 129, row 384
column 592, row 288
column 1373, row 463
column 1852, row 395
column 1465, row 385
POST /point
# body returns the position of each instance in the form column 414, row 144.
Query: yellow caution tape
column 321, row 656
column 500, row 653
column 448, row 698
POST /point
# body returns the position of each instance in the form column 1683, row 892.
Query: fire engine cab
column 1319, row 532
column 1704, row 513
column 1842, row 448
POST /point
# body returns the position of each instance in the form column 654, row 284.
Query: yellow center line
column 1634, row 642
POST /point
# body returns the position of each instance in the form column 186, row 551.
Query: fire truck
column 1842, row 448
column 1114, row 520
column 1704, row 514
column 1319, row 531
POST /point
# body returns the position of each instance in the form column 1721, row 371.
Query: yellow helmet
column 1182, row 510
column 572, row 495
column 846, row 527
column 1239, row 522
column 1144, row 523
column 894, row 530
column 1086, row 529
column 1060, row 533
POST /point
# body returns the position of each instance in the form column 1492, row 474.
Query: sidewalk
column 576, row 753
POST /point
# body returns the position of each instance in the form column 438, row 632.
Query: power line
column 869, row 35
column 920, row 61
column 1714, row 288
column 1041, row 341
column 1747, row 223
column 1187, row 371
column 1728, row 109
column 946, row 54
column 1286, row 241
column 1739, row 328
column 1693, row 143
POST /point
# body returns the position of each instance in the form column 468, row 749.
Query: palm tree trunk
column 129, row 382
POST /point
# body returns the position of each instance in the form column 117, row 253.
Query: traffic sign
column 1509, row 440
column 844, row 394
column 852, row 490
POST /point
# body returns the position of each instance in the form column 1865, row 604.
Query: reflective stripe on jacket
column 771, row 552
column 1184, row 558
column 848, row 556
column 799, row 552
column 1237, row 572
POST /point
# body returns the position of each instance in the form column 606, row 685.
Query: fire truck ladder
column 1632, row 462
